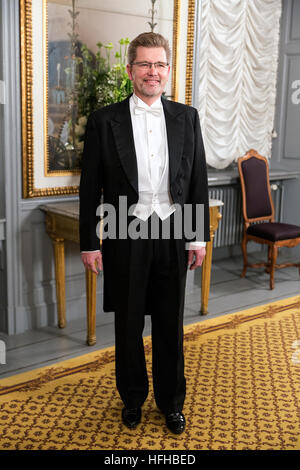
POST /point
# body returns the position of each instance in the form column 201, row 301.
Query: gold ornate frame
column 190, row 52
column 29, row 187
column 45, row 100
column 175, row 52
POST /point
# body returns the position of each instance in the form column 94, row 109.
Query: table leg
column 205, row 281
column 215, row 218
column 59, row 259
column 91, row 284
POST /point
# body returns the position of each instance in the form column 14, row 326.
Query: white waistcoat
column 151, row 146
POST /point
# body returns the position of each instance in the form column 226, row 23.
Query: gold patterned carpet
column 243, row 392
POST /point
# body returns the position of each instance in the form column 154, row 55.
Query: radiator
column 230, row 228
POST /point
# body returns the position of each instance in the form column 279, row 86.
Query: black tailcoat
column 109, row 165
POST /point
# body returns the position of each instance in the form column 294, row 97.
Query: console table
column 62, row 223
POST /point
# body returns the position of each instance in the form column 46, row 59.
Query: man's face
column 149, row 83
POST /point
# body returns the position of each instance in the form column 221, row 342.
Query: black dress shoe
column 175, row 422
column 131, row 417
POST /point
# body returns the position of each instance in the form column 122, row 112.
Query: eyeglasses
column 148, row 65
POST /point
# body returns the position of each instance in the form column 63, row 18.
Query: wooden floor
column 229, row 293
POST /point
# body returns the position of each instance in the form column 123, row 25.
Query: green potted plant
column 99, row 83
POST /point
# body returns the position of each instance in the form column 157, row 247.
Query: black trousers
column 154, row 284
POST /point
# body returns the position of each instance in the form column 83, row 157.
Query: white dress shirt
column 150, row 141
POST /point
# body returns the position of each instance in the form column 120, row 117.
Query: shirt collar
column 138, row 102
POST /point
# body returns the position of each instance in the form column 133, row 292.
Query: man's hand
column 92, row 261
column 196, row 257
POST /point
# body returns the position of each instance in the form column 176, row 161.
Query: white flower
column 79, row 130
column 80, row 146
column 82, row 121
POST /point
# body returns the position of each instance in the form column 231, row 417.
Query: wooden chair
column 258, row 213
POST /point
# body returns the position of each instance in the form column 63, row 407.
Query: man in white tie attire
column 150, row 150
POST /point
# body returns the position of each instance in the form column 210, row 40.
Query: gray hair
column 148, row 40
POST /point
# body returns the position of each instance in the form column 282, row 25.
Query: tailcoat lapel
column 175, row 122
column 123, row 135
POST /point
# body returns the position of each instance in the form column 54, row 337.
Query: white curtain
column 238, row 61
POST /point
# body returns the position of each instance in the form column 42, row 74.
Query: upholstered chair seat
column 258, row 213
column 274, row 231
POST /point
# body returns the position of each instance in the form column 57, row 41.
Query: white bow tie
column 141, row 110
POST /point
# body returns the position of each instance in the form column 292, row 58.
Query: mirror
column 52, row 33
